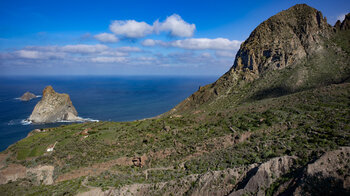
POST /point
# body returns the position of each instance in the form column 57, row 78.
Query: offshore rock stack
column 54, row 107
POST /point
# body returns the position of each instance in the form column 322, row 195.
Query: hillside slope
column 277, row 123
column 292, row 51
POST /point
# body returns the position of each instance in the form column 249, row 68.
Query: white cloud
column 92, row 53
column 83, row 48
column 60, row 50
column 129, row 49
column 130, row 28
column 197, row 43
column 152, row 42
column 106, row 37
column 29, row 54
column 43, row 48
column 113, row 53
column 35, row 54
column 205, row 55
column 173, row 24
column 105, row 59
column 176, row 26
column 205, row 43
column 97, row 49
column 143, row 58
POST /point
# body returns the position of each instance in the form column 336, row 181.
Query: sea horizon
column 97, row 97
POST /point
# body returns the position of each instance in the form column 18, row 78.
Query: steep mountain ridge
column 284, row 54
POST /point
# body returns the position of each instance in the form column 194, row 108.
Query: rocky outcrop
column 337, row 25
column 43, row 174
column 27, row 96
column 282, row 40
column 40, row 174
column 263, row 176
column 328, row 175
column 53, row 107
column 331, row 172
column 288, row 39
column 11, row 173
column 345, row 25
column 249, row 179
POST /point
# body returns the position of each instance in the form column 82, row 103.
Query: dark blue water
column 98, row 97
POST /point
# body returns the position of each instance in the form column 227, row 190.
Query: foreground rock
column 40, row 174
column 274, row 177
column 27, row 96
column 54, row 107
column 331, row 172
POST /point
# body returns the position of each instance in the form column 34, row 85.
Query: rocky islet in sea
column 27, row 96
column 54, row 107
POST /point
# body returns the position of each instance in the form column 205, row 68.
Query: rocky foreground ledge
column 330, row 171
column 54, row 107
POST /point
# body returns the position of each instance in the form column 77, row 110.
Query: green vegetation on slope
column 304, row 124
column 302, row 110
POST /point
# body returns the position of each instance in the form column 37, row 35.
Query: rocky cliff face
column 292, row 37
column 53, row 107
column 345, row 25
column 282, row 40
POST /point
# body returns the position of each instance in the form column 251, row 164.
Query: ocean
column 103, row 98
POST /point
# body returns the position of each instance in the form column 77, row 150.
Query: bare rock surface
column 11, row 173
column 260, row 178
column 283, row 39
column 54, row 107
column 331, row 172
column 282, row 42
column 27, row 96
column 328, row 175
column 345, row 25
column 231, row 181
column 40, row 174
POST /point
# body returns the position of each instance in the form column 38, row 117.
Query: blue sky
column 133, row 37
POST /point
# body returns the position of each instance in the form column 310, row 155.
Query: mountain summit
column 282, row 40
column 284, row 54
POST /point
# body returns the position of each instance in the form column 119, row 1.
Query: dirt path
column 98, row 168
column 156, row 169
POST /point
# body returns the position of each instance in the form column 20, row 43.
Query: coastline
column 107, row 98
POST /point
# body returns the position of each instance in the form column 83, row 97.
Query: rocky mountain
column 27, row 96
column 345, row 25
column 277, row 123
column 291, row 51
column 53, row 107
